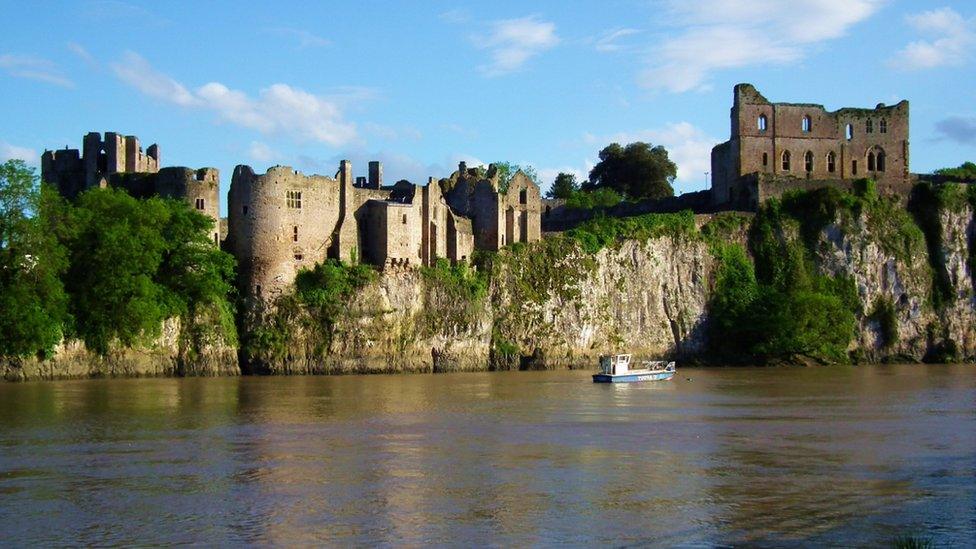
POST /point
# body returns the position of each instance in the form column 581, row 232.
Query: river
column 845, row 455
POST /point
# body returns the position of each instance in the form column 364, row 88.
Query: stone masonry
column 800, row 141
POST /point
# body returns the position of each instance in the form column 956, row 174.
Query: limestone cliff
column 176, row 352
column 552, row 305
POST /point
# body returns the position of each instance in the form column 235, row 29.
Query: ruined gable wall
column 192, row 186
column 262, row 239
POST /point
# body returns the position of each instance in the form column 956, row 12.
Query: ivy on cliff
column 777, row 307
column 454, row 294
column 601, row 232
column 928, row 202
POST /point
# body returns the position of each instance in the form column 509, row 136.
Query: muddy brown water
column 809, row 456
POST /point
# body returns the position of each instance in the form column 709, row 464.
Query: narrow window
column 257, row 289
column 870, row 161
column 404, row 219
column 761, row 122
column 869, row 126
column 849, row 132
column 217, row 239
column 765, row 160
column 881, row 161
column 294, row 199
column 786, row 161
column 808, row 161
column 854, row 167
column 807, row 124
column 884, row 125
column 294, row 233
column 831, row 162
column 523, row 196
column 299, row 257
column 200, row 204
column 244, row 209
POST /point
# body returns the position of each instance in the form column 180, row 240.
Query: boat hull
column 632, row 377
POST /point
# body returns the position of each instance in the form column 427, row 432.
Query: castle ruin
column 283, row 221
column 118, row 161
column 779, row 146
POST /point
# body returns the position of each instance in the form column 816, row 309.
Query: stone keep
column 805, row 141
column 118, row 161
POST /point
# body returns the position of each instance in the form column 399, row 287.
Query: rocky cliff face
column 550, row 305
column 171, row 354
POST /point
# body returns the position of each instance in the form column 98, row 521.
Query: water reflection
column 753, row 456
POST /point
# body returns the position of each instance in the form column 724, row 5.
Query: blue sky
column 421, row 85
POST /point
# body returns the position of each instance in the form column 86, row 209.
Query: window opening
column 786, row 161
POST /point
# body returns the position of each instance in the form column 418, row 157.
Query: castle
column 778, row 146
column 283, row 221
column 118, row 161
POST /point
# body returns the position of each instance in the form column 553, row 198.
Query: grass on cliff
column 453, row 294
column 320, row 298
column 601, row 232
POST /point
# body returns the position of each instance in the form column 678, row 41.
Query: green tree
column 638, row 170
column 965, row 171
column 33, row 304
column 507, row 170
column 135, row 263
column 563, row 187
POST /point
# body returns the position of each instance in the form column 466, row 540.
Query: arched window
column 808, row 161
column 871, row 161
column 807, row 124
column 761, row 122
column 868, row 126
column 831, row 162
column 879, row 159
column 884, row 125
column 849, row 132
column 786, row 161
column 765, row 160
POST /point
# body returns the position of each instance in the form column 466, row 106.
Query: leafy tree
column 33, row 304
column 638, row 170
column 506, row 171
column 599, row 198
column 135, row 263
column 965, row 171
column 563, row 187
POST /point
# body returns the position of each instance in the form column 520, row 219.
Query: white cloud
column 712, row 35
column 9, row 152
column 34, row 68
column 688, row 147
column 134, row 70
column 261, row 152
column 82, row 53
column 278, row 109
column 391, row 133
column 609, row 42
column 512, row 42
column 955, row 39
column 304, row 38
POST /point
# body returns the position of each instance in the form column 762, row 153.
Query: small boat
column 616, row 369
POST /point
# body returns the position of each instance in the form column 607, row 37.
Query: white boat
column 616, row 369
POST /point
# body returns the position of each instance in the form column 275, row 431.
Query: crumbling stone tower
column 118, row 161
column 777, row 143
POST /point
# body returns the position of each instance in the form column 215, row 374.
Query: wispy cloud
column 34, row 68
column 261, row 152
column 9, row 152
column 610, row 41
column 512, row 42
column 712, row 35
column 277, row 109
column 960, row 129
column 456, row 16
column 688, row 146
column 82, row 53
column 304, row 38
column 952, row 45
column 392, row 133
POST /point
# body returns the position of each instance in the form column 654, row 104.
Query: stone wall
column 807, row 141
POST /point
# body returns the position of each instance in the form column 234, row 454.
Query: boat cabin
column 614, row 364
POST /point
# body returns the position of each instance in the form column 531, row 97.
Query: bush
column 600, row 232
column 591, row 199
